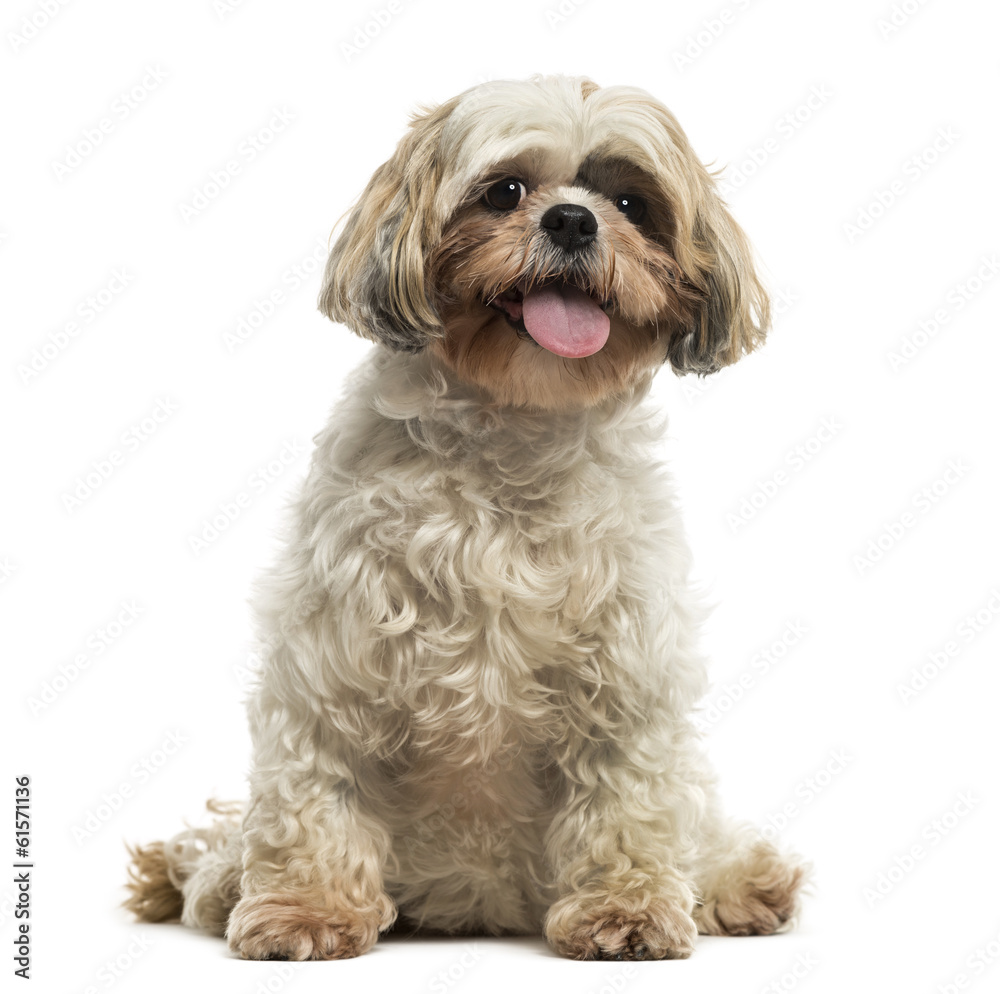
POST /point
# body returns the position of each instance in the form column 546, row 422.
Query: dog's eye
column 633, row 207
column 505, row 195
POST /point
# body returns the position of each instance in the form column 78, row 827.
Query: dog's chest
column 523, row 566
column 474, row 594
column 508, row 587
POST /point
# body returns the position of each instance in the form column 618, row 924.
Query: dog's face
column 551, row 242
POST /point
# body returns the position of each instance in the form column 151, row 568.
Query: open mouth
column 558, row 316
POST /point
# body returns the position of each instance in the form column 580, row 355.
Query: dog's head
column 551, row 242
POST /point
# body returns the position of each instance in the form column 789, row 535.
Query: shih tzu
column 481, row 647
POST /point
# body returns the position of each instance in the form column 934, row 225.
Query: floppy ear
column 374, row 280
column 736, row 312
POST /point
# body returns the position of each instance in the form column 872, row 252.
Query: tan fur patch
column 154, row 897
column 481, row 254
column 483, row 350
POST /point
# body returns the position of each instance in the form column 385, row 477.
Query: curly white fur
column 482, row 660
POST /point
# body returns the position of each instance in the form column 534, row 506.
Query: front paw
column 619, row 928
column 284, row 927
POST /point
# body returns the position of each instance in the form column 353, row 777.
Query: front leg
column 312, row 855
column 617, row 845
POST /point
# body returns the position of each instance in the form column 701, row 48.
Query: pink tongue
column 565, row 320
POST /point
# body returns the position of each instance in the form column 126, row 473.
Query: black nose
column 570, row 226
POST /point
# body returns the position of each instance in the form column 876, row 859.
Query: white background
column 820, row 740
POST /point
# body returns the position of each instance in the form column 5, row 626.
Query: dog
column 481, row 659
